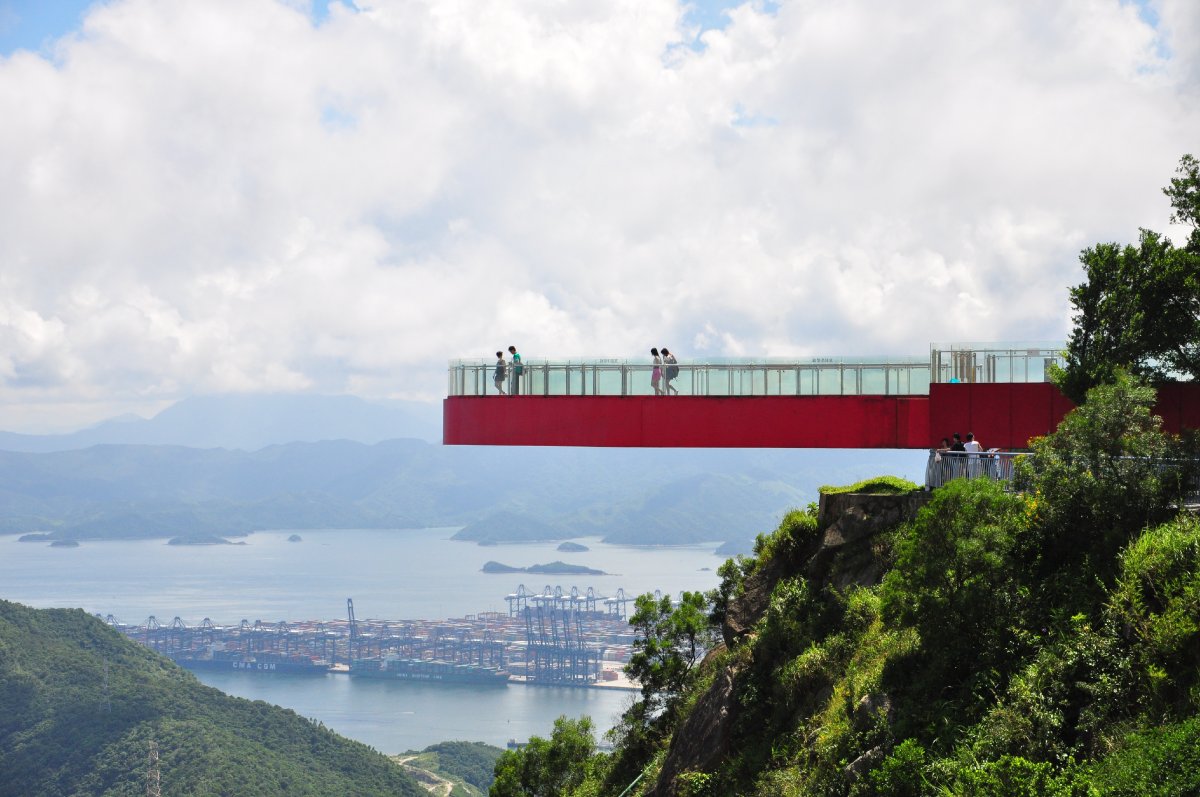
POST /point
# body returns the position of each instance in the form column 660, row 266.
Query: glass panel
column 818, row 376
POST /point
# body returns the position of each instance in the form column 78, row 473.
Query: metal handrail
column 944, row 466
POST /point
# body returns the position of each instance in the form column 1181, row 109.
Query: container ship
column 236, row 662
column 389, row 667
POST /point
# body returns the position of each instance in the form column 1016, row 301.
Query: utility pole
column 153, row 782
column 106, row 700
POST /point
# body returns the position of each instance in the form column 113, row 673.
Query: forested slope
column 62, row 732
column 1044, row 641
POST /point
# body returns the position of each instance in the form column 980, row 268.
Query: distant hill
column 61, row 732
column 468, row 765
column 250, row 422
column 632, row 496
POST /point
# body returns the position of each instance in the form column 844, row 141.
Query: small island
column 40, row 536
column 550, row 569
column 573, row 547
column 202, row 539
column 295, row 538
column 65, row 544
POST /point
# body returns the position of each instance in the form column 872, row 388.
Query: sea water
column 418, row 574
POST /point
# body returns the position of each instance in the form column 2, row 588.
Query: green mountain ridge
column 80, row 704
column 969, row 641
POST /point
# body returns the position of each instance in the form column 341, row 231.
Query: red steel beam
column 1000, row 415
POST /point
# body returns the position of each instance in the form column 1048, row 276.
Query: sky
column 204, row 197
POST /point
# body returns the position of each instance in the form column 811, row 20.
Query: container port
column 555, row 637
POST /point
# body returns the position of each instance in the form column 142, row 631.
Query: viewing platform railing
column 811, row 376
column 944, row 466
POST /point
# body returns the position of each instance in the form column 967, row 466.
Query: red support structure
column 1002, row 415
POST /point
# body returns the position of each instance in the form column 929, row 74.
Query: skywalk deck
column 1000, row 392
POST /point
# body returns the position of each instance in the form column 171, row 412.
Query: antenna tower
column 106, row 700
column 153, row 783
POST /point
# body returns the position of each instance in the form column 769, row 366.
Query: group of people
column 971, row 446
column 666, row 368
column 968, row 458
column 501, row 372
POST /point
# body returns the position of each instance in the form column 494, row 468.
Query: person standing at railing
column 670, row 372
column 956, row 458
column 516, row 370
column 973, row 449
column 501, row 369
column 656, row 374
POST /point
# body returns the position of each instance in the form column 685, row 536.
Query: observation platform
column 1000, row 392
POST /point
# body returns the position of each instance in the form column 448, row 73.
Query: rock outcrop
column 843, row 551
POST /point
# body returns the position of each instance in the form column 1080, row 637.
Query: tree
column 1184, row 192
column 670, row 641
column 1106, row 473
column 548, row 767
column 1139, row 309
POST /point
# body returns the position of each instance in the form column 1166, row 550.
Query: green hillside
column 62, row 733
column 969, row 641
column 463, row 767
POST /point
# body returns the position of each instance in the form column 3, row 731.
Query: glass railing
column 812, row 376
column 819, row 376
column 994, row 362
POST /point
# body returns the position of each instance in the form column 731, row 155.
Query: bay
column 404, row 574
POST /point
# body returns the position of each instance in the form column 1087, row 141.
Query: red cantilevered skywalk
column 998, row 391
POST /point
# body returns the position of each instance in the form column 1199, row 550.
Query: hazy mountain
column 638, row 496
column 250, row 422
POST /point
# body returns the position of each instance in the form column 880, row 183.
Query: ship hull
column 428, row 672
column 240, row 665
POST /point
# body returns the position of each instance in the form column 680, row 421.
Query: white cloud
column 221, row 195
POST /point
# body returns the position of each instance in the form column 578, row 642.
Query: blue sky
column 31, row 24
column 28, row 24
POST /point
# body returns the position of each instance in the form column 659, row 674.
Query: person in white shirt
column 973, row 449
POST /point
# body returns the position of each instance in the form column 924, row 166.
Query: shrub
column 1160, row 762
column 879, row 485
column 1156, row 602
column 957, row 581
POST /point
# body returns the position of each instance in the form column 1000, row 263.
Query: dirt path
column 433, row 783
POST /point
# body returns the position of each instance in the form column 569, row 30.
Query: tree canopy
column 548, row 767
column 1139, row 308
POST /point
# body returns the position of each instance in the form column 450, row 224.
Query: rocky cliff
column 844, row 548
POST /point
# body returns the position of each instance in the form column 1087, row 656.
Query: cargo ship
column 426, row 670
column 267, row 663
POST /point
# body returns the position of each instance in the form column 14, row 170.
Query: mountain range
column 250, row 422
column 185, row 485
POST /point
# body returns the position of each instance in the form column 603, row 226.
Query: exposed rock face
column 842, row 552
column 870, row 708
column 855, row 769
column 705, row 736
column 849, row 522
